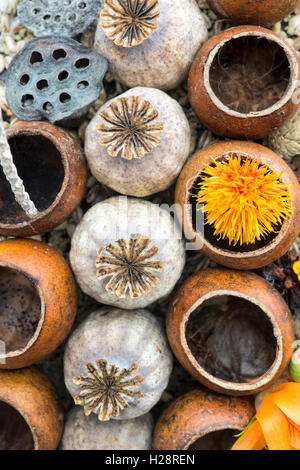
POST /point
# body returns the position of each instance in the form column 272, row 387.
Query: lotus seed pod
column 117, row 363
column 150, row 43
column 138, row 142
column 58, row 17
column 54, row 79
column 88, row 433
column 127, row 252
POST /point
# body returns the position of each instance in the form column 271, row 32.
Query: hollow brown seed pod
column 202, row 420
column 254, row 12
column 138, row 142
column 30, row 414
column 51, row 165
column 117, row 363
column 258, row 252
column 231, row 330
column 38, row 301
column 150, row 43
column 88, row 433
column 127, row 252
column 243, row 82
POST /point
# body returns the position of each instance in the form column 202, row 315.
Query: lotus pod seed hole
column 27, row 100
column 40, row 167
column 47, row 17
column 42, row 85
column 48, row 107
column 36, row 57
column 36, row 11
column 82, row 5
column 82, row 63
column 24, row 79
column 63, row 75
column 15, row 434
column 224, row 335
column 64, row 98
column 83, row 85
column 57, row 18
column 217, row 440
column 59, row 54
column 72, row 17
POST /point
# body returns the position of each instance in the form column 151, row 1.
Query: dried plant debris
column 129, row 22
column 106, row 391
column 11, row 174
column 129, row 266
column 56, row 79
column 129, row 127
column 58, row 17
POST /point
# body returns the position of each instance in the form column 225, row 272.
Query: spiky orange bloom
column 243, row 200
column 277, row 423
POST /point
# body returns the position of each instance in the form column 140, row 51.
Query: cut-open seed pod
column 244, row 82
column 31, row 417
column 265, row 12
column 55, row 79
column 37, row 301
column 231, row 330
column 50, row 164
column 279, row 202
column 202, row 420
column 58, row 17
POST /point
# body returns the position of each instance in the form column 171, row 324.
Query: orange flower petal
column 252, row 439
column 287, row 398
column 274, row 425
column 294, row 437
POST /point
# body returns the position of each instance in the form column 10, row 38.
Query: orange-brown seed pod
column 265, row 12
column 231, row 330
column 240, row 256
column 202, row 420
column 243, row 83
column 30, row 414
column 51, row 165
column 38, row 301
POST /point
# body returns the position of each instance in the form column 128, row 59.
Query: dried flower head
column 129, row 22
column 243, row 200
column 106, row 391
column 129, row 266
column 128, row 126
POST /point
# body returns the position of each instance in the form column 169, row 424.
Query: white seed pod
column 117, row 363
column 150, row 43
column 88, row 433
column 127, row 252
column 138, row 142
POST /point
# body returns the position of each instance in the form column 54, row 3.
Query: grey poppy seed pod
column 158, row 49
column 127, row 350
column 127, row 252
column 138, row 142
column 88, row 433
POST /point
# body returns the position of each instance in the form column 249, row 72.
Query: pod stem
column 11, row 174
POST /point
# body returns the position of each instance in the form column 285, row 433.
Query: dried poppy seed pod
column 117, row 363
column 30, row 413
column 88, row 433
column 231, row 330
column 240, row 256
column 127, row 252
column 150, row 42
column 51, row 165
column 38, row 302
column 219, row 78
column 263, row 13
column 202, row 420
column 138, row 142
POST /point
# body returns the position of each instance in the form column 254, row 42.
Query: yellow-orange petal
column 287, row 398
column 294, row 437
column 252, row 439
column 296, row 267
column 274, row 425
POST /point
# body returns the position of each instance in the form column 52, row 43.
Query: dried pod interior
column 15, row 433
column 129, row 127
column 107, row 390
column 40, row 167
column 20, row 311
column 129, row 265
column 129, row 22
column 249, row 73
column 231, row 338
column 216, row 440
column 244, row 203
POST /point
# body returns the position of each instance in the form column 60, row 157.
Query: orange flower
column 243, row 200
column 277, row 423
